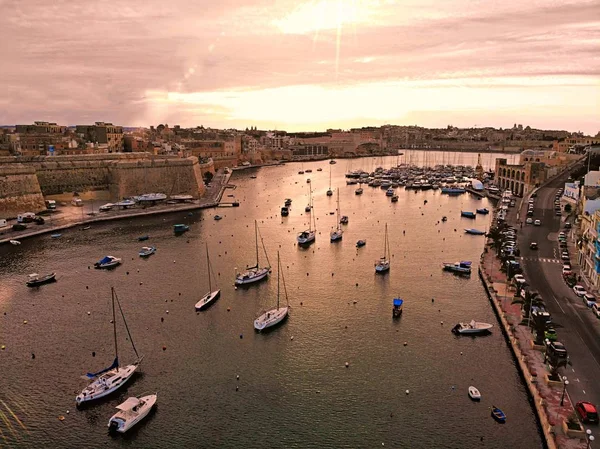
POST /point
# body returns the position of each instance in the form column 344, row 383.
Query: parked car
column 520, row 279
column 533, row 245
column 589, row 299
column 596, row 309
column 529, row 220
column 562, row 234
column 566, row 265
column 550, row 334
column 579, row 290
column 567, row 225
column 537, row 223
column 557, row 212
column 566, row 271
column 587, row 411
column 564, row 256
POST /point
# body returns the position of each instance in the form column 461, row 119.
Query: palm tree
column 532, row 299
column 495, row 235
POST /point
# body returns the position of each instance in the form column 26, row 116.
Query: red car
column 587, row 411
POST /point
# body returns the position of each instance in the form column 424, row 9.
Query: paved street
column 577, row 327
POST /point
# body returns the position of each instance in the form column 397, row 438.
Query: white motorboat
column 474, row 393
column 115, row 376
column 14, row 242
column 337, row 234
column 211, row 296
column 107, row 262
column 274, row 316
column 34, row 279
column 359, row 191
column 254, row 273
column 147, row 251
column 150, row 197
column 383, row 264
column 106, row 207
column 473, row 327
column 131, row 412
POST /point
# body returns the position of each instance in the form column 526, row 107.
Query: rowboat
column 498, row 415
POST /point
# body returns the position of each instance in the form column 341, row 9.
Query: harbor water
column 406, row 380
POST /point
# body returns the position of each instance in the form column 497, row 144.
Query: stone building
column 41, row 128
column 224, row 152
column 519, row 178
column 589, row 247
column 309, row 151
column 103, row 133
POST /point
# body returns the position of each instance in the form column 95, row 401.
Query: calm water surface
column 293, row 393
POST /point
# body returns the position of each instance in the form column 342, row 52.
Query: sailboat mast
column 385, row 243
column 338, row 209
column 112, row 291
column 278, row 274
column 208, row 266
column 256, row 239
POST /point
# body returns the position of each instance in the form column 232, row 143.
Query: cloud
column 140, row 61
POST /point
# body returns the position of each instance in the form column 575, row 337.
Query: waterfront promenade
column 77, row 216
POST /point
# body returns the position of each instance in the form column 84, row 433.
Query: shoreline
column 208, row 202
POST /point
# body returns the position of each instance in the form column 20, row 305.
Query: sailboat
column 307, row 237
column 329, row 192
column 115, row 376
column 274, row 316
column 308, row 207
column 254, row 273
column 338, row 233
column 383, row 264
column 211, row 295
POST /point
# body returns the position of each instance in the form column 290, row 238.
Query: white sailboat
column 383, row 264
column 337, row 234
column 307, row 237
column 211, row 295
column 254, row 273
column 329, row 191
column 131, row 412
column 115, row 376
column 274, row 316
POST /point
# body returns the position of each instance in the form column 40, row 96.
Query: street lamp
column 565, row 383
column 590, row 438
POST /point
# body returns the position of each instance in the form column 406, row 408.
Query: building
column 103, row 133
column 571, row 192
column 589, row 248
column 223, row 152
column 574, row 144
column 41, row 128
column 309, row 151
column 519, row 178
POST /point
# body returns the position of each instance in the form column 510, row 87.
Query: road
column 577, row 327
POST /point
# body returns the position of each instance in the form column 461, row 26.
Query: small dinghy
column 107, row 262
column 143, row 238
column 218, row 217
column 34, row 279
column 498, row 415
column 55, row 236
column 180, row 228
column 132, row 411
column 147, row 251
column 397, row 307
column 474, row 231
column 471, row 328
column 467, row 214
column 361, row 243
column 483, row 211
column 15, row 242
column 474, row 393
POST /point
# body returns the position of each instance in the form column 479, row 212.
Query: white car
column 566, row 271
column 579, row 290
column 596, row 310
column 537, row 223
column 529, row 220
column 566, row 266
column 519, row 279
column 561, row 234
column 589, row 299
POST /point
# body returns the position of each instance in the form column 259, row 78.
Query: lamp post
column 565, row 383
column 590, row 438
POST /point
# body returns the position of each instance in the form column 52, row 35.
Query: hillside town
column 231, row 147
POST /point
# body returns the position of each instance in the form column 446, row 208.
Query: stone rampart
column 19, row 191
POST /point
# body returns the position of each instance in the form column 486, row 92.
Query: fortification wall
column 19, row 191
column 170, row 176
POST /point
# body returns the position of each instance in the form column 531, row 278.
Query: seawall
column 19, row 190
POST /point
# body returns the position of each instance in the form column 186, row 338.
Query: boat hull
column 474, row 394
column 271, row 318
column 207, row 300
column 259, row 275
column 99, row 391
column 44, row 280
column 150, row 402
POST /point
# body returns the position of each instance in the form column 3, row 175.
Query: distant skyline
column 302, row 65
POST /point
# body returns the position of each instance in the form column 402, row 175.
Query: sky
column 302, row 65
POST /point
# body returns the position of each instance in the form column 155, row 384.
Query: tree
column 568, row 208
column 531, row 299
column 208, row 176
column 495, row 235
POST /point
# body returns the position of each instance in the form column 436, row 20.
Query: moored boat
column 397, row 307
column 483, row 211
column 132, row 411
column 55, row 236
column 147, row 251
column 498, row 414
column 285, row 211
column 338, row 233
column 471, row 328
column 211, row 296
column 474, row 231
column 361, row 243
column 254, row 273
column 359, row 191
column 394, row 198
column 383, row 264
column 107, row 262
column 217, row 217
column 463, row 267
column 34, row 279
column 14, row 242
column 180, row 228
column 143, row 238
column 467, row 214
column 474, row 393
column 273, row 317
column 344, row 219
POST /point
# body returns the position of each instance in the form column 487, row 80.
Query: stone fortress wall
column 24, row 180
